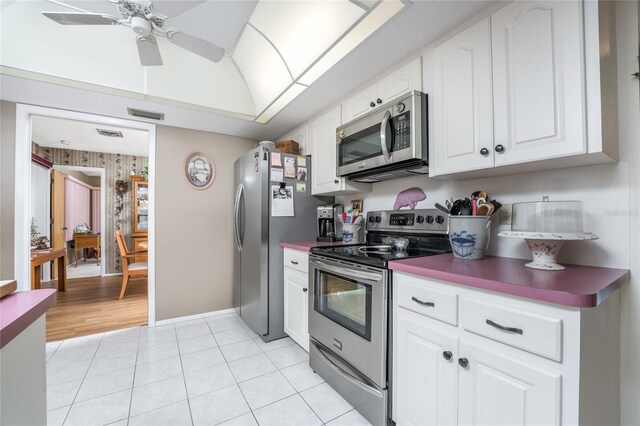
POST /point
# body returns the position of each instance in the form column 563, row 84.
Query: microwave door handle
column 383, row 136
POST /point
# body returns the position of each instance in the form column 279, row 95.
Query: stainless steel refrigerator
column 258, row 292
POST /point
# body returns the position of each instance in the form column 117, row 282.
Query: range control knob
column 371, row 219
column 378, row 219
column 420, row 219
column 439, row 219
column 429, row 219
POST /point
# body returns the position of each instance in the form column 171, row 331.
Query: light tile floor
column 90, row 268
column 202, row 372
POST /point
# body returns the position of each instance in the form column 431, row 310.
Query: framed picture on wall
column 356, row 205
column 199, row 170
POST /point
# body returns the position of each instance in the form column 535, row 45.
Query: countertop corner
column 20, row 309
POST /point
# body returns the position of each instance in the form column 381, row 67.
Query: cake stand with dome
column 545, row 226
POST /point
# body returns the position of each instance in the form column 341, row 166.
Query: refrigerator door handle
column 236, row 218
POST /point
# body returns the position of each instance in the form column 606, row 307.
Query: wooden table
column 85, row 240
column 40, row 257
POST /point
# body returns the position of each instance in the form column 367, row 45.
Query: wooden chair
column 130, row 266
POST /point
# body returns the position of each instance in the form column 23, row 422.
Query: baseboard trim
column 192, row 317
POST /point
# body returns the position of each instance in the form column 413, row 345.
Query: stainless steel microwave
column 387, row 143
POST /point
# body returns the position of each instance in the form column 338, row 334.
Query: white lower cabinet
column 505, row 361
column 426, row 384
column 296, row 301
column 494, row 389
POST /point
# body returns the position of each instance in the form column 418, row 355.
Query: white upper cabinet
column 322, row 137
column 462, row 102
column 538, row 81
column 508, row 93
column 403, row 80
column 300, row 135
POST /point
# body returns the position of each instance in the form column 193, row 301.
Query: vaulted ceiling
column 276, row 69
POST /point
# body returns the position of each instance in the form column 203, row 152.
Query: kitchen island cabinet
column 474, row 343
column 23, row 395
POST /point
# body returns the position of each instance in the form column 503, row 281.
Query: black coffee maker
column 329, row 223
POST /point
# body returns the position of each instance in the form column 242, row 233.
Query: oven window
column 360, row 146
column 345, row 301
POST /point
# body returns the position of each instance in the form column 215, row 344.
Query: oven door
column 348, row 313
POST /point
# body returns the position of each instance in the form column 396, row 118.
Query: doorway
column 25, row 115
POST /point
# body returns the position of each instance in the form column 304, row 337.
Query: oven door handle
column 369, row 276
column 344, row 373
column 383, row 136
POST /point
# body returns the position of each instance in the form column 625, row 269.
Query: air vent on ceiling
column 145, row 114
column 109, row 133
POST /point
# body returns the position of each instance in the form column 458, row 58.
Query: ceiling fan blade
column 171, row 8
column 78, row 18
column 196, row 45
column 148, row 51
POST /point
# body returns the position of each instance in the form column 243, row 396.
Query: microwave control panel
column 402, row 130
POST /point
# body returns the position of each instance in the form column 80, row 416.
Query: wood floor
column 91, row 305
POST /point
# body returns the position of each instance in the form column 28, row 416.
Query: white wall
column 602, row 188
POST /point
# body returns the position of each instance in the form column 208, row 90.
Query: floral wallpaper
column 118, row 209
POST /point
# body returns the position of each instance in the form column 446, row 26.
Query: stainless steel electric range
column 349, row 311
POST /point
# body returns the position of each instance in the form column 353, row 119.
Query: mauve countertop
column 308, row 245
column 20, row 309
column 577, row 286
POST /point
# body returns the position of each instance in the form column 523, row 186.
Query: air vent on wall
column 145, row 114
column 109, row 133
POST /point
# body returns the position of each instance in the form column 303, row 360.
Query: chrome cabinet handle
column 499, row 149
column 294, row 262
column 503, row 328
column 484, row 152
column 305, row 290
column 379, row 101
column 415, row 299
column 463, row 362
column 447, row 355
column 372, row 104
column 370, row 276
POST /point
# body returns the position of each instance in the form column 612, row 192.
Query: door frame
column 23, row 189
column 103, row 205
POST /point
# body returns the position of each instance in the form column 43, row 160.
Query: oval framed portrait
column 199, row 170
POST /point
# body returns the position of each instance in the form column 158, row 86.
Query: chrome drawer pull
column 415, row 299
column 294, row 262
column 503, row 328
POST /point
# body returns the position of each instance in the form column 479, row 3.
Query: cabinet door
column 538, row 81
column 425, row 385
column 360, row 104
column 462, row 102
column 296, row 309
column 323, row 144
column 403, row 80
column 499, row 390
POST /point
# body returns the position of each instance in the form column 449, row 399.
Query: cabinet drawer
column 296, row 259
column 418, row 297
column 539, row 334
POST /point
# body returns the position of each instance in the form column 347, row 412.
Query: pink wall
column 77, row 205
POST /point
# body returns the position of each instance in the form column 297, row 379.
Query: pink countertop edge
column 308, row 245
column 577, row 286
column 20, row 309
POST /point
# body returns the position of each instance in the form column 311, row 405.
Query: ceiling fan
column 147, row 19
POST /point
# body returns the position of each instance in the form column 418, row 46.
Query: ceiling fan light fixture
column 141, row 26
